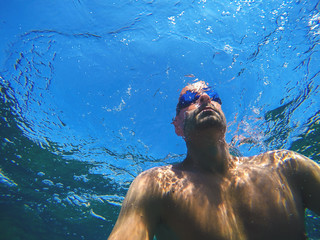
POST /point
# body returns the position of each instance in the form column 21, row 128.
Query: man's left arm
column 308, row 176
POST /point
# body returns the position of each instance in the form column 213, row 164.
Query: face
column 199, row 108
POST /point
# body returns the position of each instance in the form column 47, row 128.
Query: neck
column 208, row 153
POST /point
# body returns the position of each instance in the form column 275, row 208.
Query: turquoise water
column 89, row 88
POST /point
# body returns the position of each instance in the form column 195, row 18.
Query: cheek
column 180, row 119
column 186, row 111
column 217, row 106
column 183, row 115
column 191, row 108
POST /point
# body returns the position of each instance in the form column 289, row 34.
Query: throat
column 209, row 157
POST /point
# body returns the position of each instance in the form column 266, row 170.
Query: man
column 214, row 195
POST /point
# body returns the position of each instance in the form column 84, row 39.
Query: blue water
column 89, row 89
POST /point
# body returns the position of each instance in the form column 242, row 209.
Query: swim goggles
column 191, row 97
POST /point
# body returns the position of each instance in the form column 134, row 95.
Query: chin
column 211, row 122
column 206, row 121
column 206, row 125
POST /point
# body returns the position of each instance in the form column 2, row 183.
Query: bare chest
column 245, row 206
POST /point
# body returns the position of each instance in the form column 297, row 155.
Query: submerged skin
column 214, row 195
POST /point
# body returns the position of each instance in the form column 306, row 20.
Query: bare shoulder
column 302, row 173
column 278, row 158
column 154, row 178
column 141, row 208
column 146, row 188
column 156, row 174
column 291, row 164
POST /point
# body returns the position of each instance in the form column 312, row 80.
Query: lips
column 207, row 109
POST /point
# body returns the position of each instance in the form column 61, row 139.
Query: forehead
column 195, row 87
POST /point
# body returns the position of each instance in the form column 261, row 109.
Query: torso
column 255, row 200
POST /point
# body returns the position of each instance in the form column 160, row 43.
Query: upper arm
column 139, row 213
column 307, row 177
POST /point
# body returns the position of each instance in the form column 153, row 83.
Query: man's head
column 198, row 109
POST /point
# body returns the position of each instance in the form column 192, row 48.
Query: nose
column 204, row 98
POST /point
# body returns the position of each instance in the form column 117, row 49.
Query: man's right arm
column 139, row 213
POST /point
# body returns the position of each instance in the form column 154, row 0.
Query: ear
column 178, row 128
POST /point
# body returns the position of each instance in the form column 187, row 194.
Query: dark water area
column 34, row 207
column 88, row 90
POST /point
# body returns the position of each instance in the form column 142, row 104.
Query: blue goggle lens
column 191, row 97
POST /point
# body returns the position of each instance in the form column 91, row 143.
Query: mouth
column 208, row 109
